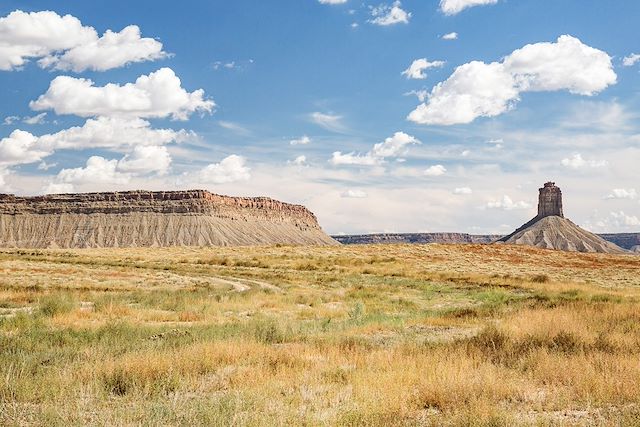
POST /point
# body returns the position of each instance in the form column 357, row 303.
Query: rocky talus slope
column 555, row 232
column 145, row 218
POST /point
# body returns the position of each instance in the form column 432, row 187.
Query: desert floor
column 351, row 335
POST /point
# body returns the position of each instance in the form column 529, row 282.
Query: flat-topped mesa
column 180, row 202
column 154, row 218
column 550, row 201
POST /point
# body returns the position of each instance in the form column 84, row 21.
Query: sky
column 396, row 116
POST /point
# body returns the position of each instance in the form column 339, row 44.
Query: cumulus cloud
column 435, row 170
column 474, row 90
column 478, row 89
column 389, row 14
column 354, row 194
column 299, row 161
column 21, row 147
column 393, row 146
column 507, row 204
column 156, row 95
column 462, row 191
column 450, row 36
column 112, row 133
column 578, row 162
column 146, row 159
column 631, row 60
column 304, row 140
column 3, row 184
column 418, row 67
column 143, row 160
column 97, row 170
column 623, row 193
column 453, row 7
column 63, row 43
column 332, row 1
column 332, row 122
column 231, row 169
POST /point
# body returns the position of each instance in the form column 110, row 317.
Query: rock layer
column 145, row 218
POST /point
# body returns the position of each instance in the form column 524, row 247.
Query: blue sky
column 308, row 103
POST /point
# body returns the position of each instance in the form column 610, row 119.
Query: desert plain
column 484, row 335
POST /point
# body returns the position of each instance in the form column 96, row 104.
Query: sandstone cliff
column 145, row 218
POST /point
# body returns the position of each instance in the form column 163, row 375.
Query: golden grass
column 355, row 335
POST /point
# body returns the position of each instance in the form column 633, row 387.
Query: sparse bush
column 540, row 278
column 57, row 303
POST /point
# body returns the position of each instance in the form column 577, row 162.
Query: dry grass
column 366, row 335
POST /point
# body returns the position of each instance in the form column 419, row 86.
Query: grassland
column 354, row 335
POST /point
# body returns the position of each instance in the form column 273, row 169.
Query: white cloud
column 21, row 147
column 354, row 194
column 231, row 169
column 35, row 120
column 462, row 191
column 299, row 161
column 112, row 133
column 146, row 159
column 304, row 140
column 631, row 60
column 567, row 64
column 9, row 120
column 389, row 14
column 450, row 36
column 622, row 193
column 393, row 146
column 474, row 90
column 158, row 94
column 477, row 89
column 332, row 122
column 614, row 222
column 62, row 42
column 418, row 67
column 453, row 7
column 421, row 94
column 435, row 170
column 507, row 204
column 3, row 184
column 332, row 1
column 338, row 158
column 578, row 162
column 58, row 188
column 112, row 50
column 97, row 170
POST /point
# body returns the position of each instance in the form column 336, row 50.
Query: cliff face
column 145, row 218
column 550, row 201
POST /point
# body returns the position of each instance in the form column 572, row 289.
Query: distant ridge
column 161, row 218
column 627, row 241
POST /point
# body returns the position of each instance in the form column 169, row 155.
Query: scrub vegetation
column 353, row 335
